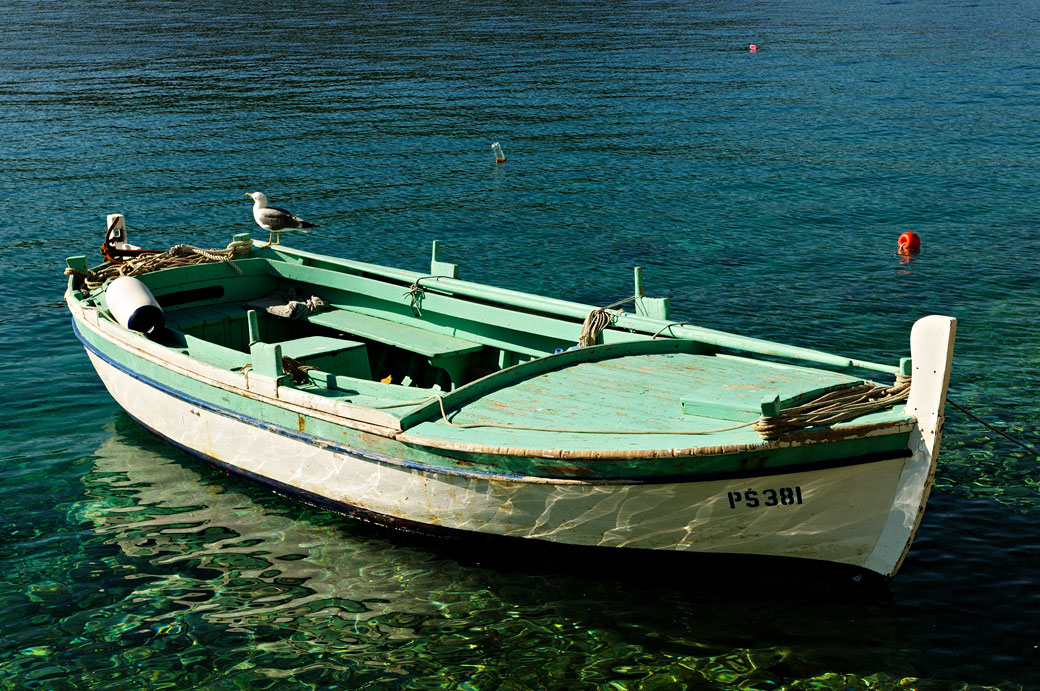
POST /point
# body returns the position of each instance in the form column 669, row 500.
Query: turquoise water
column 762, row 192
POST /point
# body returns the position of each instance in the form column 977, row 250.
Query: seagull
column 274, row 219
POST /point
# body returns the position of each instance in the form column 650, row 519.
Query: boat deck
column 464, row 374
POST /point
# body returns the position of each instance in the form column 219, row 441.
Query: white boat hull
column 862, row 514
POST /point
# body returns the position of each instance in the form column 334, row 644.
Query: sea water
column 762, row 192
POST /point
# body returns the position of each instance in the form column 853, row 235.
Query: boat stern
column 931, row 351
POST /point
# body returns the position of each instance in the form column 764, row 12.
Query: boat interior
column 386, row 335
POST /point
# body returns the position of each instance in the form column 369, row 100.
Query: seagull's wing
column 273, row 218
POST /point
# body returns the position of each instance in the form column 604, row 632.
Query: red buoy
column 753, row 48
column 909, row 243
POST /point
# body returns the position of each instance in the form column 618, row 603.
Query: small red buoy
column 753, row 48
column 909, row 243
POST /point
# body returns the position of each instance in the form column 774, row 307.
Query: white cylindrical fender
column 134, row 306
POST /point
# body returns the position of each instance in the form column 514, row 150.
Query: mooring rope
column 296, row 371
column 178, row 255
column 416, row 293
column 834, row 407
column 990, row 427
column 597, row 320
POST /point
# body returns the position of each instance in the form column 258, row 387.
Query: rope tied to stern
column 834, row 407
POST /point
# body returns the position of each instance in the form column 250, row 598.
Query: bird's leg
column 270, row 237
column 277, row 236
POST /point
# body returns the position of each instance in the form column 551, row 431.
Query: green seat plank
column 442, row 351
column 391, row 333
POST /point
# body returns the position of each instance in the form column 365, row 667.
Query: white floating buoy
column 500, row 156
column 134, row 306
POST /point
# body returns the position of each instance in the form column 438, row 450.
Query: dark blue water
column 762, row 192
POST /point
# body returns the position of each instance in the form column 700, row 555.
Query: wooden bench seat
column 440, row 350
column 316, row 346
column 335, row 355
column 445, row 352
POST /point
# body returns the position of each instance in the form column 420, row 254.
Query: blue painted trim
column 477, row 474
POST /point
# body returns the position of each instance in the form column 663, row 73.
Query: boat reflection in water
column 266, row 588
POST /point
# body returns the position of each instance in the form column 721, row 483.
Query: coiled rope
column 416, row 293
column 178, row 255
column 597, row 320
column 834, row 407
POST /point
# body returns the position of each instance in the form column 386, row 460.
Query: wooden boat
column 431, row 403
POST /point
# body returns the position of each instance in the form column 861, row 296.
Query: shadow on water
column 194, row 575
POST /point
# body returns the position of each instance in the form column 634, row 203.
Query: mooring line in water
column 990, row 427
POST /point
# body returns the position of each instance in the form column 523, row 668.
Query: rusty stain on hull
column 812, row 436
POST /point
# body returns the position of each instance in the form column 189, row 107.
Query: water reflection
column 203, row 577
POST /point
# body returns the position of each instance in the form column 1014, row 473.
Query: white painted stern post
column 931, row 352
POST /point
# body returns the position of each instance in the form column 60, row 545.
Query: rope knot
column 597, row 320
column 833, row 407
column 415, row 297
column 295, row 370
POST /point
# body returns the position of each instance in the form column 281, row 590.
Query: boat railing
column 554, row 307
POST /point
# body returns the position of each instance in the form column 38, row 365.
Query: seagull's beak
column 249, row 194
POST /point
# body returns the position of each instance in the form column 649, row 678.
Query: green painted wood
column 267, row 359
column 629, row 392
column 315, row 346
column 402, row 336
column 442, row 268
column 331, row 355
column 254, row 326
column 654, row 308
column 737, row 392
column 530, row 334
column 214, row 354
column 196, row 317
column 772, row 405
column 513, row 375
column 562, row 308
column 255, row 280
column 716, row 409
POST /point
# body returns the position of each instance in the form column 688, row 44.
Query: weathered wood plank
column 527, row 370
column 402, row 336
